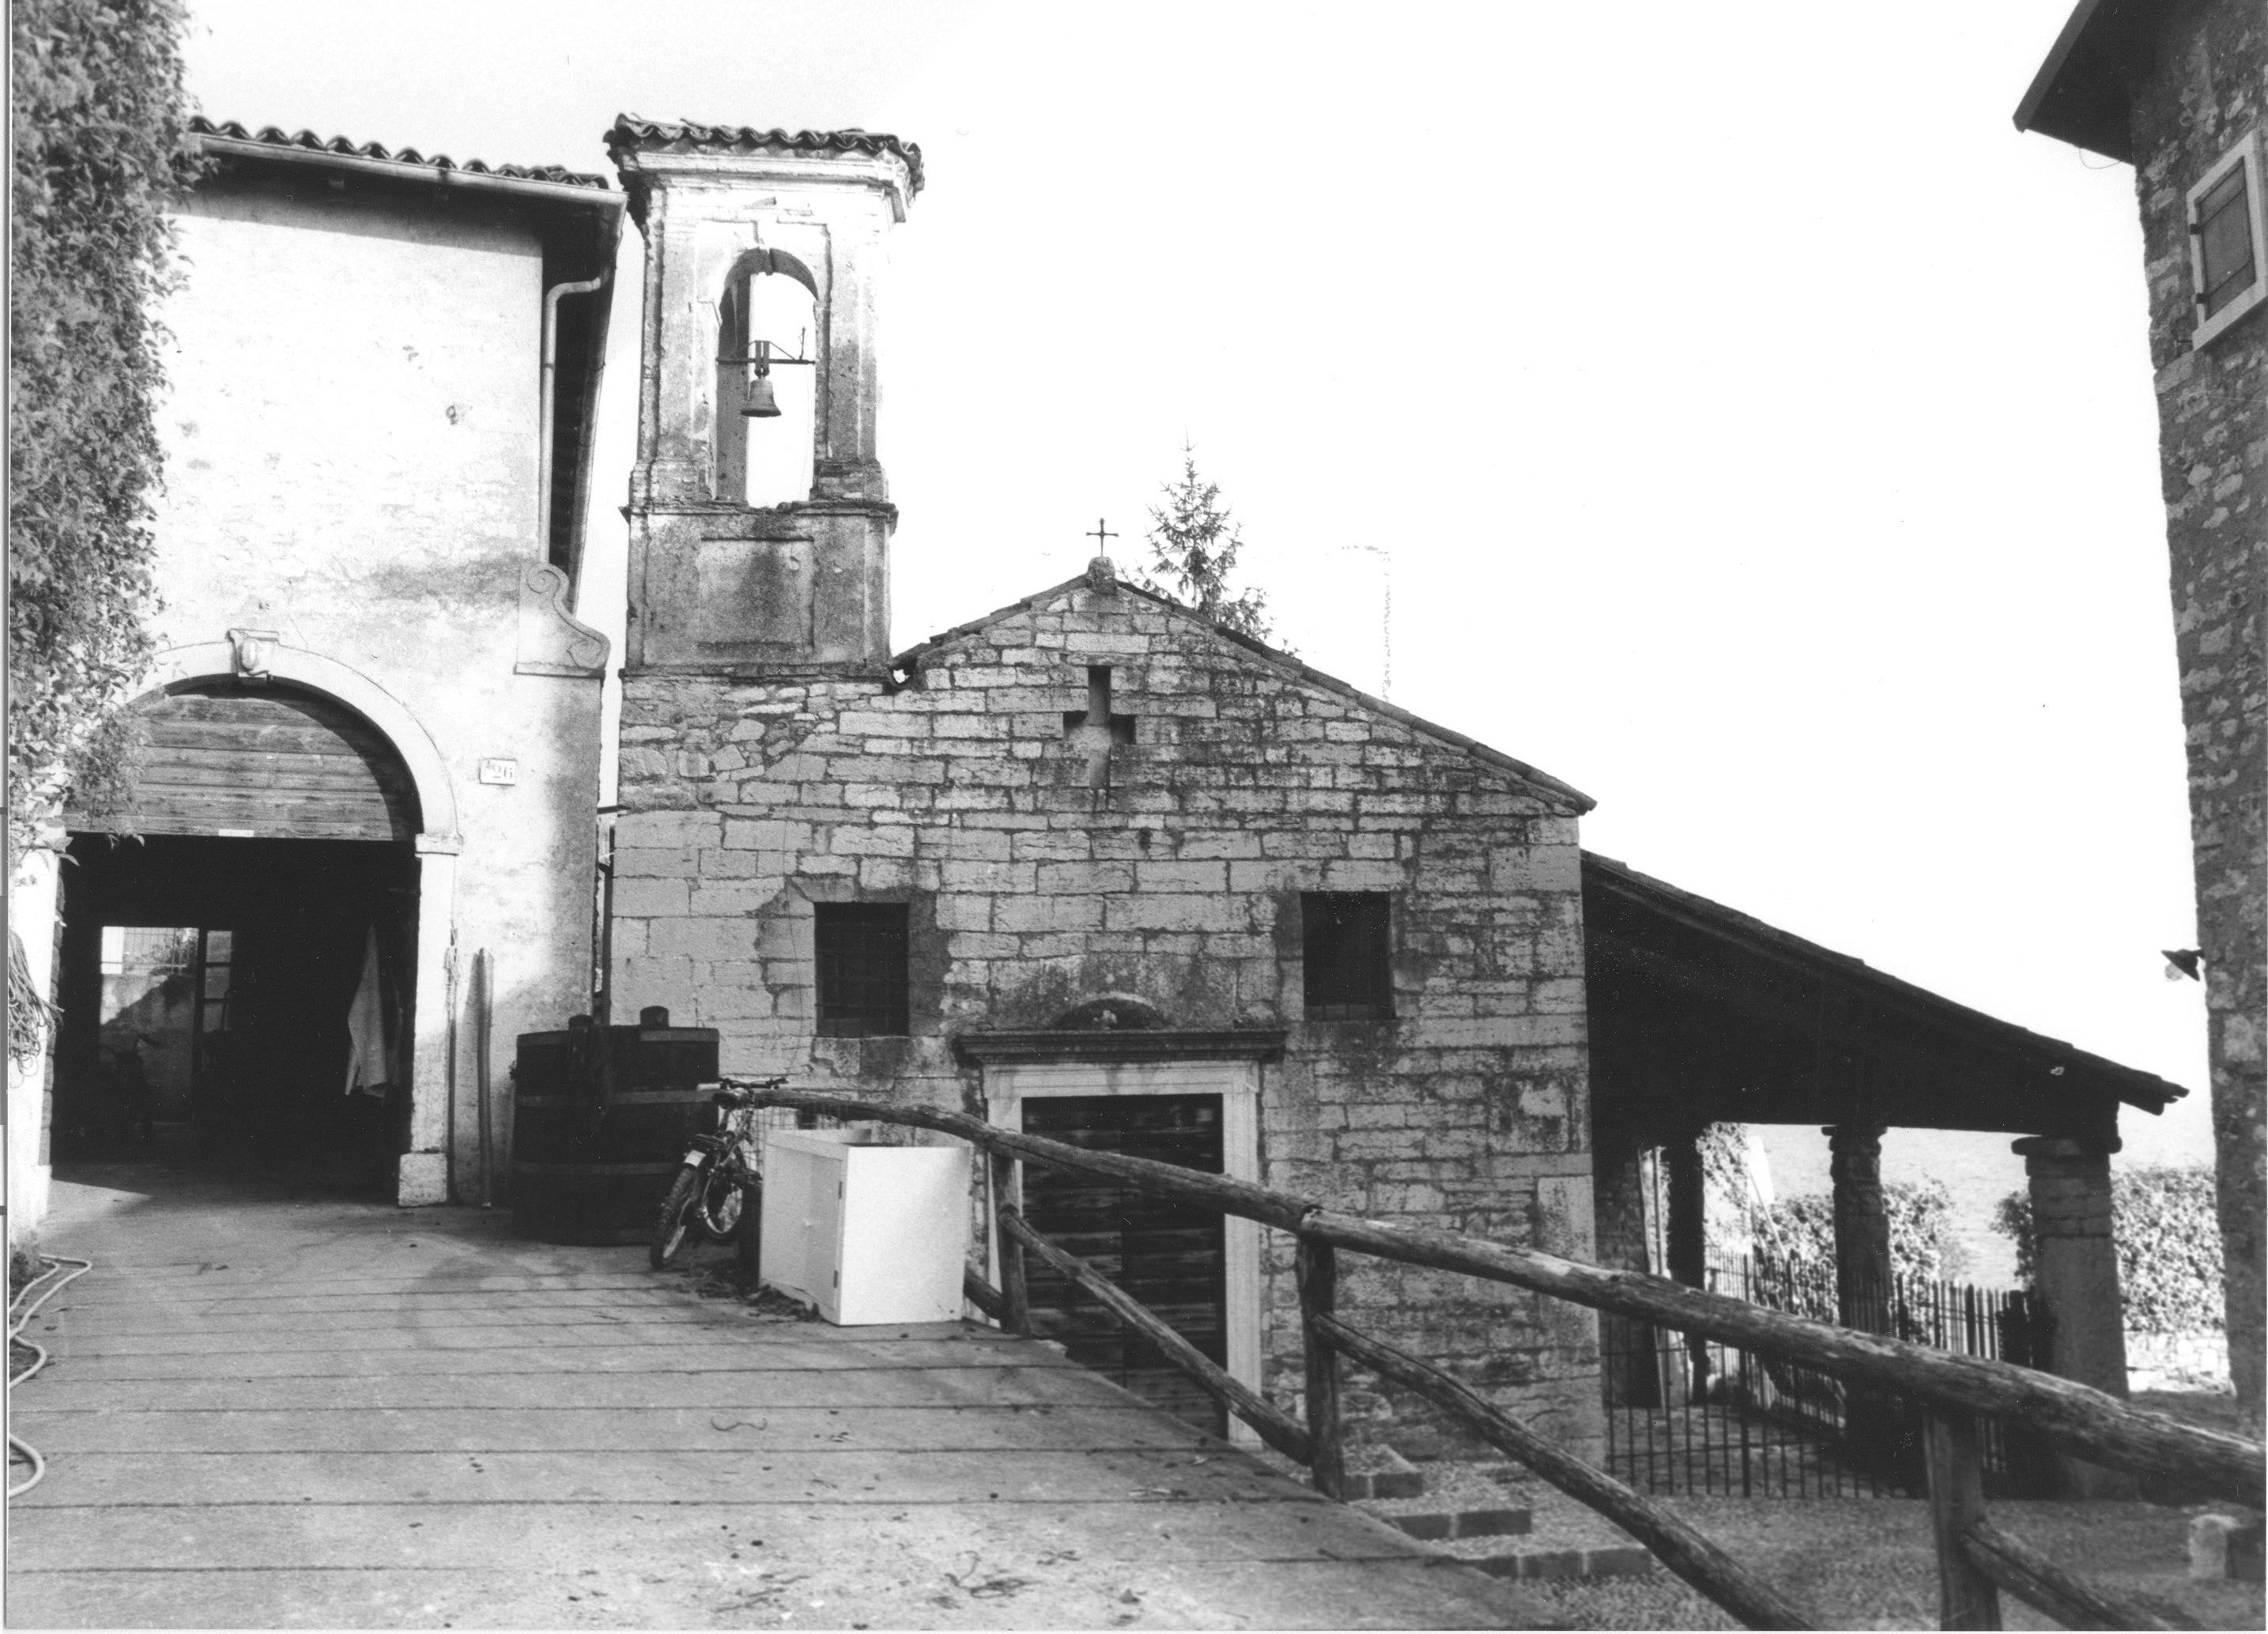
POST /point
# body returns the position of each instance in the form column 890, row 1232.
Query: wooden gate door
column 1170, row 1257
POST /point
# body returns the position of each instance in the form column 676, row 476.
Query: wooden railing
column 1975, row 1559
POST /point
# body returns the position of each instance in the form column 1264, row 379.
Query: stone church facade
column 1089, row 846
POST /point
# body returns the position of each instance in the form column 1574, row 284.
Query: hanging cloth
column 370, row 1033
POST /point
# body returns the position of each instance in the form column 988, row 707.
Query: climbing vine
column 101, row 151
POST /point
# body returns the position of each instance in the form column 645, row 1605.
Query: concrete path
column 268, row 1411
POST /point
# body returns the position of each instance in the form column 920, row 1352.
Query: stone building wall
column 1248, row 780
column 2210, row 89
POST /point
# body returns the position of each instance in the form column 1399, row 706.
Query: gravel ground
column 1868, row 1563
column 1853, row 1562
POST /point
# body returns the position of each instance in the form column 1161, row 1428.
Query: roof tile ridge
column 308, row 141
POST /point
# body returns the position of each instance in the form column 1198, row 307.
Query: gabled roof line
column 913, row 658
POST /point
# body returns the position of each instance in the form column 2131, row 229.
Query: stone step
column 1379, row 1472
column 1362, row 1485
column 1494, row 1517
column 1616, row 1560
column 1436, row 1524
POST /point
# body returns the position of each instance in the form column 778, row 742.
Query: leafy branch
column 101, row 153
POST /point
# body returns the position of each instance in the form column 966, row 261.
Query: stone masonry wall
column 1247, row 781
column 2210, row 89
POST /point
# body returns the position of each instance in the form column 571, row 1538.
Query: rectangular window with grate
column 1346, row 940
column 861, row 949
column 2228, row 240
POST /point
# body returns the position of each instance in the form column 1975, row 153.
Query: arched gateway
column 260, row 970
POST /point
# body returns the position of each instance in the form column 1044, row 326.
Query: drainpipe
column 602, row 988
column 548, row 412
column 484, row 1005
column 449, row 1003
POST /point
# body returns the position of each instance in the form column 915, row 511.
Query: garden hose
column 20, row 1317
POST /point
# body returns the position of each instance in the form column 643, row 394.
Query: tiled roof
column 914, row 658
column 307, row 141
column 633, row 134
column 2130, row 1085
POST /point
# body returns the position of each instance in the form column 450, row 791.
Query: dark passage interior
column 225, row 991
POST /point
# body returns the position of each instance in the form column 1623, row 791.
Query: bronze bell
column 759, row 404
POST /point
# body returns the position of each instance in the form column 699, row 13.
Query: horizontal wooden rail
column 1276, row 1426
column 1238, row 1197
column 2019, row 1569
column 1677, row 1545
column 2079, row 1419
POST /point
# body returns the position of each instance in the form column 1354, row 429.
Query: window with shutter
column 2228, row 241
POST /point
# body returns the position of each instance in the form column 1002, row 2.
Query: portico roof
column 1700, row 1014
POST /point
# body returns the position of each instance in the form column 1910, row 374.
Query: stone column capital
column 1855, row 1157
column 2058, row 1154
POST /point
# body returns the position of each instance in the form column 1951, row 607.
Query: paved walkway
column 270, row 1412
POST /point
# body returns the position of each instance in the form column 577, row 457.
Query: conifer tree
column 1193, row 548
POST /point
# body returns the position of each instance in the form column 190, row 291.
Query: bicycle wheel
column 676, row 1221
column 721, row 1207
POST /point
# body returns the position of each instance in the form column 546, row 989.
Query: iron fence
column 1692, row 1416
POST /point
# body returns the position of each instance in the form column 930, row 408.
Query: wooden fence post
column 1317, row 1268
column 1967, row 1598
column 1008, row 1197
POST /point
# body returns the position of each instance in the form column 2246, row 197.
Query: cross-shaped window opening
column 1092, row 731
column 861, row 951
column 1347, row 945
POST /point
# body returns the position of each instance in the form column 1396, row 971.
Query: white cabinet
column 868, row 1234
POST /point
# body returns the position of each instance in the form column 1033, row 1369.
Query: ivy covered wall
column 101, row 151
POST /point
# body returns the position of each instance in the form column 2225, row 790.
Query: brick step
column 1466, row 1525
column 1614, row 1560
column 1432, row 1526
column 1387, row 1483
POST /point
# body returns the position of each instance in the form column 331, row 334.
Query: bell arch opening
column 767, row 387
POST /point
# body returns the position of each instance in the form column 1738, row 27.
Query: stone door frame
column 1009, row 1084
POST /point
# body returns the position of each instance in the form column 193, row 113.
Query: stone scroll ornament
column 552, row 640
column 249, row 653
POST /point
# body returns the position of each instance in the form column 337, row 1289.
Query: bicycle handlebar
column 733, row 1091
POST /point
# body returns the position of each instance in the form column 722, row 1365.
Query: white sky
column 1761, row 430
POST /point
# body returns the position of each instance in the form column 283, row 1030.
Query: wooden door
column 267, row 763
column 1168, row 1255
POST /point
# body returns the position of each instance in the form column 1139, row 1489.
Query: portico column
column 1862, row 1226
column 2075, row 1272
column 422, row 1176
column 2077, row 1258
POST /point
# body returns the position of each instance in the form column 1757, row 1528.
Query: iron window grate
column 1347, row 944
column 861, row 948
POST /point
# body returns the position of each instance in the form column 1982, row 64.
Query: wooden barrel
column 593, row 1168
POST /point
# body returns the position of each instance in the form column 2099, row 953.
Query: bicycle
column 711, row 1193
